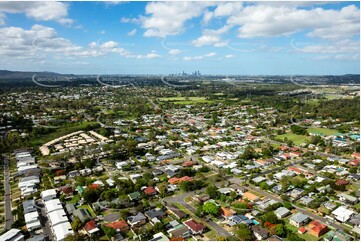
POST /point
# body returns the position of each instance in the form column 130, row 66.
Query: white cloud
column 199, row 57
column 45, row 11
column 66, row 21
column 174, row 52
column 41, row 42
column 102, row 32
column 227, row 9
column 212, row 37
column 210, row 54
column 169, row 18
column 344, row 46
column 132, row 32
column 229, row 56
column 267, row 20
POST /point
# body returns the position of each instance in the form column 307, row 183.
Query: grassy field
column 186, row 100
column 323, row 131
column 297, row 139
column 60, row 132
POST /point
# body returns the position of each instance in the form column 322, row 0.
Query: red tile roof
column 341, row 182
column 355, row 162
column 94, row 186
column 188, row 163
column 194, row 226
column 316, row 228
column 302, row 230
column 118, row 225
column 150, row 191
column 90, row 225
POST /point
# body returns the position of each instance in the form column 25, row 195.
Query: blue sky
column 250, row 38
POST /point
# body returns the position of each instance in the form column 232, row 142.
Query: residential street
column 180, row 199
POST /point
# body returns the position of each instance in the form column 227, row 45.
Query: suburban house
column 120, row 225
column 150, row 191
column 179, row 232
column 317, row 229
column 91, row 228
column 282, row 212
column 260, row 233
column 137, row 220
column 299, row 219
column 134, row 196
column 82, row 214
column 195, row 227
column 348, row 199
column 226, row 212
column 342, row 214
column 251, row 197
column 179, row 214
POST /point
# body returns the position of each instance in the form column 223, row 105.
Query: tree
column 269, row 217
column 109, row 232
column 213, row 192
column 249, row 153
column 158, row 227
column 210, row 208
column 243, row 232
column 73, row 237
column 280, row 231
column 298, row 130
column 91, row 195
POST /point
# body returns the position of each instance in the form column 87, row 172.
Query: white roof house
column 61, row 231
column 48, row 194
column 12, row 235
column 57, row 217
column 53, row 205
column 30, row 217
column 217, row 163
column 342, row 213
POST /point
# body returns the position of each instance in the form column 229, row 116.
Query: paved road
column 180, row 199
column 8, row 215
column 305, row 211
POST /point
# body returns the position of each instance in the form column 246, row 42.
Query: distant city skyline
column 229, row 38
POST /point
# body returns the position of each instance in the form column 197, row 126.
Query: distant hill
column 5, row 74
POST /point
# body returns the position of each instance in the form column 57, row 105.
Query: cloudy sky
column 168, row 37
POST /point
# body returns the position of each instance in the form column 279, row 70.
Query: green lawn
column 186, row 100
column 324, row 131
column 74, row 199
column 297, row 139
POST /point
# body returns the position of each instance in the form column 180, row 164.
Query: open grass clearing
column 297, row 139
